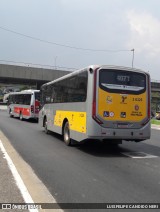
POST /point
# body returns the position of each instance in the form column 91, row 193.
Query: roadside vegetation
column 154, row 121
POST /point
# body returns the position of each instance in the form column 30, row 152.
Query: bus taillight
column 149, row 103
column 37, row 104
column 149, row 100
column 32, row 108
column 94, row 100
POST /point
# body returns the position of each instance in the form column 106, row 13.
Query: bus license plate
column 123, row 126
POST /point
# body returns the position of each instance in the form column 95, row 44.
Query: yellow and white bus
column 110, row 103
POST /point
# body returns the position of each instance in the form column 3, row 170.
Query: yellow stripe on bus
column 77, row 120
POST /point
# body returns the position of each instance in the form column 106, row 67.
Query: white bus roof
column 95, row 67
column 31, row 91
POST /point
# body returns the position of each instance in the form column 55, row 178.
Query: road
column 89, row 173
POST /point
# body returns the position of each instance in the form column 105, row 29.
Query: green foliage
column 155, row 94
column 25, row 87
column 154, row 121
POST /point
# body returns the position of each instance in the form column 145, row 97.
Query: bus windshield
column 116, row 81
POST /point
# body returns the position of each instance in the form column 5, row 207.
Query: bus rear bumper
column 124, row 134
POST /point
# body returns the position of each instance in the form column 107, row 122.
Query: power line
column 63, row 45
column 37, row 65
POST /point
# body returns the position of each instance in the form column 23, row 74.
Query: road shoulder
column 155, row 126
column 34, row 185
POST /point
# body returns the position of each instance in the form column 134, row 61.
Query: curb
column 155, row 126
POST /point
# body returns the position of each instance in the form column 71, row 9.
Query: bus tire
column 21, row 116
column 46, row 126
column 66, row 134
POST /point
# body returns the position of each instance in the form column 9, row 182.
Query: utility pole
column 132, row 57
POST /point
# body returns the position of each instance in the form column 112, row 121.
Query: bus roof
column 93, row 67
column 30, row 91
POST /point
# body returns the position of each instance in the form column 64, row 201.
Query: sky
column 73, row 34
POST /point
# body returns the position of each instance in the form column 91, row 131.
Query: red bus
column 24, row 104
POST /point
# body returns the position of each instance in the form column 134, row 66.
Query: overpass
column 27, row 75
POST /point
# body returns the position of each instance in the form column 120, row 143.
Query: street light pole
column 132, row 57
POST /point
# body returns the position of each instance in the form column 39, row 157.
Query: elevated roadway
column 28, row 75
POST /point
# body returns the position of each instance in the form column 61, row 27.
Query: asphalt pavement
column 9, row 191
column 20, row 189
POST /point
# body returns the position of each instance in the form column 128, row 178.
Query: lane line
column 155, row 127
column 139, row 155
column 19, row 182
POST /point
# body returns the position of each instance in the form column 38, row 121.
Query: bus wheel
column 66, row 134
column 21, row 116
column 45, row 126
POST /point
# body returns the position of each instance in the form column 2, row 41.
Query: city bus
column 24, row 104
column 108, row 103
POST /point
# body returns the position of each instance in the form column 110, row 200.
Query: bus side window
column 27, row 99
column 53, row 94
column 81, row 92
column 48, row 94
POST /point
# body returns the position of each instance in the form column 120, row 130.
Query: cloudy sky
column 78, row 33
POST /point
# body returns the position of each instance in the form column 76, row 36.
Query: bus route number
column 137, row 99
column 122, row 78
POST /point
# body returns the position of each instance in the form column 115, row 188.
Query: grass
column 154, row 121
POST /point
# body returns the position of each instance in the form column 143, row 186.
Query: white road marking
column 155, row 127
column 138, row 155
column 20, row 184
